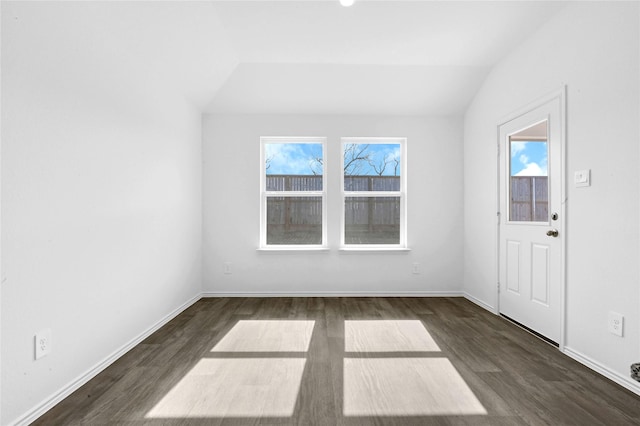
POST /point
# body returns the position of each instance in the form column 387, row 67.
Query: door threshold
column 535, row 333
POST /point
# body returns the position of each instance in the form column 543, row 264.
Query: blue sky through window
column 307, row 159
column 371, row 159
column 294, row 158
column 529, row 158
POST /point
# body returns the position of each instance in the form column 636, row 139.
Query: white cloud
column 532, row 169
column 525, row 151
column 516, row 147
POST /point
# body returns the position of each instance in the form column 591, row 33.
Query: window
column 529, row 178
column 293, row 193
column 373, row 192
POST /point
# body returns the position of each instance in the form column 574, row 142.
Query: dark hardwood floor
column 344, row 361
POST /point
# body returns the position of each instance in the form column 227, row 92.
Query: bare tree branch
column 379, row 167
column 355, row 155
column 316, row 165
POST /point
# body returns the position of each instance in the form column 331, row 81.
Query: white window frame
column 402, row 194
column 264, row 194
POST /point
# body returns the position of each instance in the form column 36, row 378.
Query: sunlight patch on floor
column 406, row 387
column 267, row 336
column 387, row 336
column 249, row 387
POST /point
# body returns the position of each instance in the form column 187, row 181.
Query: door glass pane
column 293, row 166
column 372, row 167
column 528, row 182
column 294, row 220
column 372, row 220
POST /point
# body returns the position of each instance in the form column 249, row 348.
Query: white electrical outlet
column 42, row 343
column 227, row 268
column 415, row 268
column 616, row 323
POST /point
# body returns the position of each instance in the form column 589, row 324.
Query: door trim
column 560, row 94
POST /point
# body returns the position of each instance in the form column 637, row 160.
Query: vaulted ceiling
column 290, row 57
column 376, row 57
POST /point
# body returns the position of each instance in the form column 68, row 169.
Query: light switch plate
column 582, row 178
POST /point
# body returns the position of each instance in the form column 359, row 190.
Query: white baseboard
column 334, row 294
column 480, row 303
column 623, row 381
column 74, row 385
column 619, row 379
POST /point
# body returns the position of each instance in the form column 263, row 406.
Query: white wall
column 101, row 187
column 594, row 49
column 231, row 179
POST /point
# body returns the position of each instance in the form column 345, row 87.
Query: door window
column 529, row 177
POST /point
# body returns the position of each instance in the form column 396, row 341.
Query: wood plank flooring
column 344, row 361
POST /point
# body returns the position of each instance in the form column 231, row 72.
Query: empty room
column 324, row 212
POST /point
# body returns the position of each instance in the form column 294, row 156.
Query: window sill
column 293, row 249
column 327, row 249
column 375, row 249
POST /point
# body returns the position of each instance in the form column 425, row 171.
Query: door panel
column 513, row 266
column 540, row 274
column 530, row 259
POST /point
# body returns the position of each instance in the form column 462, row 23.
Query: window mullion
column 295, row 193
column 372, row 194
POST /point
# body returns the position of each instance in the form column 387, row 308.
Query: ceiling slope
column 161, row 50
column 376, row 57
column 311, row 57
column 348, row 89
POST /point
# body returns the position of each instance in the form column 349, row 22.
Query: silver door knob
column 552, row 233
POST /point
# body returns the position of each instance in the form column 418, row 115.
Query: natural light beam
column 267, row 336
column 406, row 387
column 387, row 336
column 249, row 387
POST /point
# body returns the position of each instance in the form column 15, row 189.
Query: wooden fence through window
column 306, row 211
column 529, row 199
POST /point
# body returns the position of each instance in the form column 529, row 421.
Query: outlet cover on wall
column 42, row 343
column 616, row 323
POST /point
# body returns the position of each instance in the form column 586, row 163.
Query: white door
column 531, row 271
